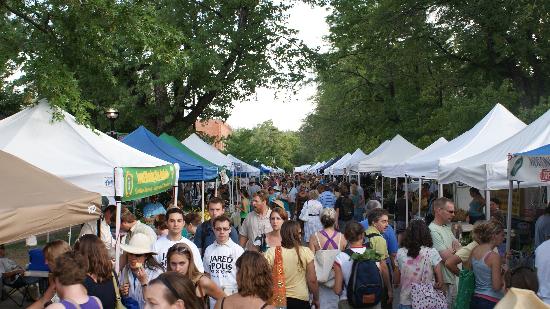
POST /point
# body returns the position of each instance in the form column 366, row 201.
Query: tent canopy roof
column 244, row 167
column 69, row 150
column 35, row 201
column 396, row 150
column 169, row 139
column 498, row 125
column 191, row 169
column 209, row 152
column 488, row 169
column 398, row 170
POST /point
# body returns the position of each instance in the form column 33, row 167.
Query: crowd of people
column 292, row 242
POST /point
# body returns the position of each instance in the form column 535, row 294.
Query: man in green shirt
column 444, row 241
column 378, row 222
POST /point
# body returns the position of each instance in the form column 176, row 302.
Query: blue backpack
column 365, row 286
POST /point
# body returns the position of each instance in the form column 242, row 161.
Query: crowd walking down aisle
column 292, row 241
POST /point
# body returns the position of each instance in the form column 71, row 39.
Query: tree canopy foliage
column 264, row 144
column 162, row 63
column 425, row 69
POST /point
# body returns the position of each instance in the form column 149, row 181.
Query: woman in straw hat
column 141, row 268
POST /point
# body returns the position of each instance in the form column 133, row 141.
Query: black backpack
column 365, row 286
column 346, row 208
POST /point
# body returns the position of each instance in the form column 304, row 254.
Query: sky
column 285, row 109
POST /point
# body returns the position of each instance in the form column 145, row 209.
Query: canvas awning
column 243, row 167
column 191, row 169
column 86, row 158
column 398, row 170
column 207, row 151
column 498, row 125
column 397, row 150
column 35, row 201
column 488, row 170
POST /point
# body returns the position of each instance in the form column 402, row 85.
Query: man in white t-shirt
column 542, row 263
column 105, row 230
column 355, row 234
column 221, row 256
column 175, row 222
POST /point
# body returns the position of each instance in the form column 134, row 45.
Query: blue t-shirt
column 327, row 199
column 389, row 236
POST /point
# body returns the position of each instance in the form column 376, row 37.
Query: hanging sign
column 140, row 182
column 534, row 169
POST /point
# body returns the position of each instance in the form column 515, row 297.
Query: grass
column 18, row 251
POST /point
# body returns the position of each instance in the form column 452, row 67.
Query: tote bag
column 424, row 295
column 466, row 287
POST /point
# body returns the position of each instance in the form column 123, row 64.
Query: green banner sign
column 140, row 182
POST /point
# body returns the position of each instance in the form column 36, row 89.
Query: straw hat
column 139, row 244
column 520, row 298
column 279, row 203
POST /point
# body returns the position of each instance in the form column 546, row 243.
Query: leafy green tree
column 161, row 63
column 425, row 69
column 265, row 144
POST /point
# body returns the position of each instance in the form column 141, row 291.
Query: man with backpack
column 358, row 282
column 344, row 208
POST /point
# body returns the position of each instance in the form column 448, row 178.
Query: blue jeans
column 358, row 214
column 481, row 303
column 405, row 306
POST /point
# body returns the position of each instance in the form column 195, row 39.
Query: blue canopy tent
column 191, row 169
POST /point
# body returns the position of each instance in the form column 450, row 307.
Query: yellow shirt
column 295, row 276
column 378, row 243
column 464, row 253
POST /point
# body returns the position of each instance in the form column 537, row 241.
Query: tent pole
column 487, row 205
column 175, row 188
column 358, row 178
column 419, row 196
column 396, row 183
column 70, row 233
column 382, row 197
column 406, row 202
column 440, row 190
column 202, row 199
column 117, row 232
column 215, row 188
column 509, row 216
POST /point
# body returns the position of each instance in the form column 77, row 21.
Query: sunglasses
column 225, row 229
column 178, row 248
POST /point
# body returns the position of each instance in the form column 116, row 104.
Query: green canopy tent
column 174, row 142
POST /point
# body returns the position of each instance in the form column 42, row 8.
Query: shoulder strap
column 115, row 285
column 264, row 305
column 223, row 300
column 349, row 252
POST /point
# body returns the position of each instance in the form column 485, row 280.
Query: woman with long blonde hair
column 180, row 259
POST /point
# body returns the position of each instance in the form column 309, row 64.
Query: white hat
column 139, row 244
column 520, row 298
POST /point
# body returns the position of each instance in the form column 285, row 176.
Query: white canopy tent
column 355, row 166
column 397, row 150
column 207, row 151
column 330, row 169
column 498, row 125
column 69, row 150
column 488, row 170
column 315, row 169
column 355, row 157
column 393, row 170
column 243, row 167
column 86, row 158
column 301, row 168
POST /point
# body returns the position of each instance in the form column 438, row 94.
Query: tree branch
column 26, row 18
